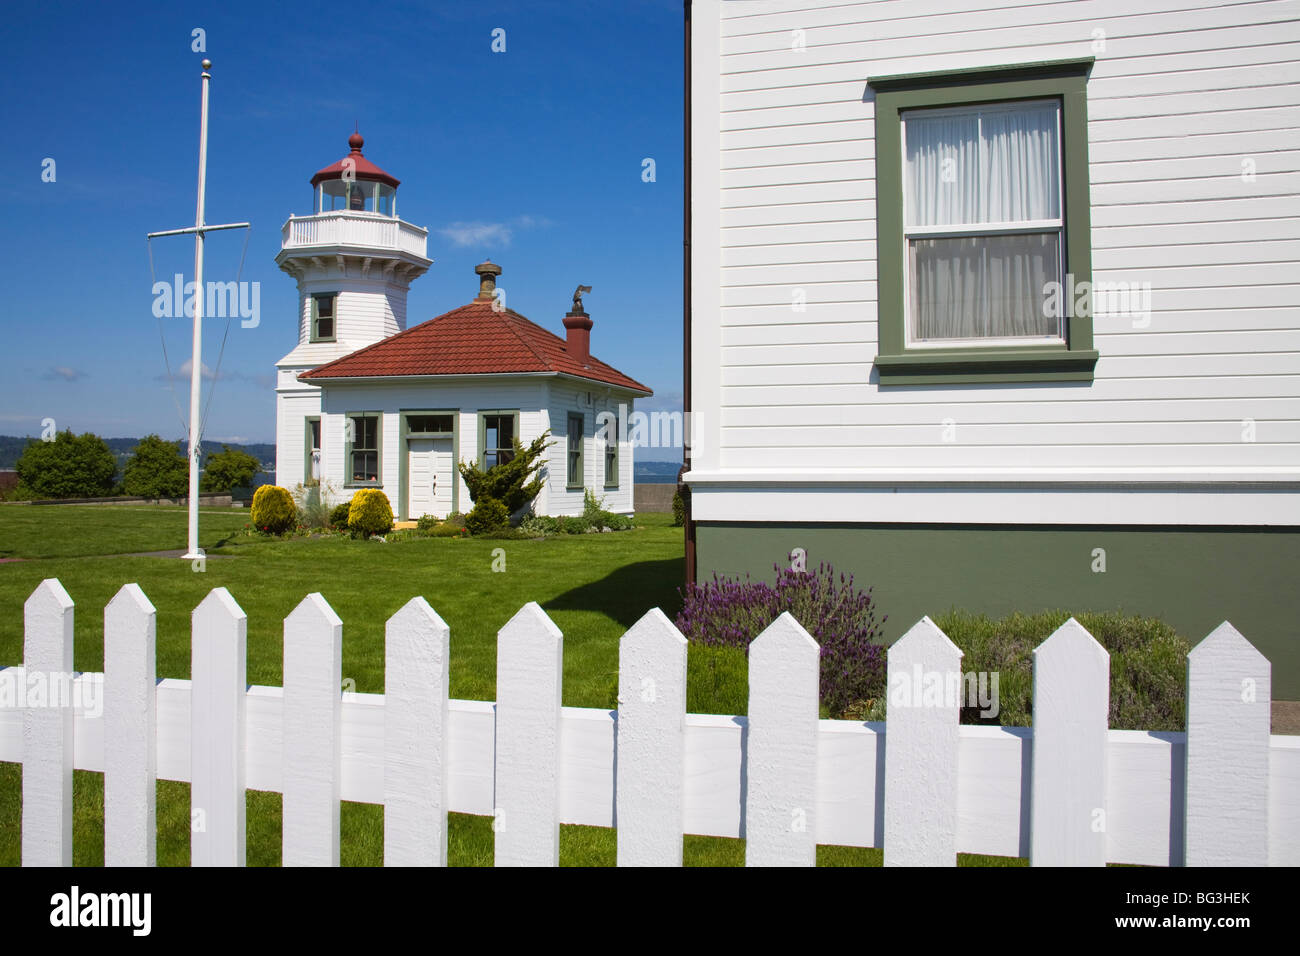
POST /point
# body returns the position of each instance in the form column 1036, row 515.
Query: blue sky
column 532, row 157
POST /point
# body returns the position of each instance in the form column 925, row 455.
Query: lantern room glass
column 358, row 195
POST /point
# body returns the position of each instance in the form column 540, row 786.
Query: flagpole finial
column 206, row 64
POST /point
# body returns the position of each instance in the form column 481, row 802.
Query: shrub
column 488, row 516
column 535, row 525
column 1148, row 665
column 370, row 513
column 227, row 469
column 840, row 618
column 679, row 509
column 513, row 483
column 426, row 523
column 156, row 469
column 446, row 530
column 273, row 509
column 339, row 514
column 70, row 466
column 312, row 501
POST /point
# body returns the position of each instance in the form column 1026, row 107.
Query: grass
column 593, row 586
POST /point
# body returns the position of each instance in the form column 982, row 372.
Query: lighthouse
column 354, row 260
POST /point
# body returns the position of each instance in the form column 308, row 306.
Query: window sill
column 363, row 484
column 986, row 366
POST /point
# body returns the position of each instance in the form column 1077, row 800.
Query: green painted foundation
column 1193, row 578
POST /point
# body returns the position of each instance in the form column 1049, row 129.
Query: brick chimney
column 577, row 324
column 487, row 273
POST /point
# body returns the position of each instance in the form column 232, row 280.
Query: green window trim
column 483, row 415
column 349, row 472
column 311, row 439
column 404, row 460
column 896, row 364
column 575, row 459
column 332, row 318
column 611, row 454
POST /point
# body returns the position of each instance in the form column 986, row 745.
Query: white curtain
column 975, row 167
column 983, row 286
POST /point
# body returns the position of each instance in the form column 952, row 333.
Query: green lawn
column 593, row 586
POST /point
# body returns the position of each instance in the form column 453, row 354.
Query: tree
column 70, row 466
column 513, row 483
column 156, row 469
column 229, row 468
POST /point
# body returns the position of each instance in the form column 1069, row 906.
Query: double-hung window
column 575, row 478
column 497, row 433
column 322, row 317
column 983, row 225
column 363, row 450
column 611, row 453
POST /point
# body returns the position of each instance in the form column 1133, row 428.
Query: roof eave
column 372, row 379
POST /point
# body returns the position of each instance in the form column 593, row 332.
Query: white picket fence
column 1069, row 791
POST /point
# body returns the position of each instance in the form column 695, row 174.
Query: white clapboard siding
column 1071, row 710
column 313, row 688
column 651, row 743
column 781, row 747
column 1194, row 189
column 920, row 786
column 1228, row 709
column 923, row 668
column 130, row 730
column 417, row 651
column 47, row 730
column 530, row 666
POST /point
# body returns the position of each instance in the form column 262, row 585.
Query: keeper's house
column 364, row 402
column 999, row 309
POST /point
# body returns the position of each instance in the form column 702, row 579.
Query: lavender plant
column 840, row 618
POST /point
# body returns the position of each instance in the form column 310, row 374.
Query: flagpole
column 196, row 360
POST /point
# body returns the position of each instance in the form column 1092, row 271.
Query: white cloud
column 65, row 373
column 496, row 234
column 477, row 233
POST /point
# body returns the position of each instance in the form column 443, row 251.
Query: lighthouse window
column 322, row 317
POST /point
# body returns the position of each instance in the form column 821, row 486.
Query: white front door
column 428, row 476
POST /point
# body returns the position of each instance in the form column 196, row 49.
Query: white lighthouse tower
column 354, row 260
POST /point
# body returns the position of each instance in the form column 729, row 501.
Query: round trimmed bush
column 273, row 509
column 487, row 516
column 339, row 515
column 370, row 512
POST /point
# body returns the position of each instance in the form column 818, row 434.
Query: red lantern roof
column 363, row 167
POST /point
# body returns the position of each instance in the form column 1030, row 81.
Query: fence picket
column 921, row 734
column 1071, row 716
column 530, row 667
column 781, row 747
column 313, row 717
column 218, row 675
column 130, row 730
column 651, row 748
column 416, row 653
column 1229, row 697
column 1068, row 791
column 47, row 727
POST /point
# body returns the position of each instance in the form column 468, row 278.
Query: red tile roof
column 474, row 339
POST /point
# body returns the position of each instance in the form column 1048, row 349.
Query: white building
column 364, row 402
column 999, row 309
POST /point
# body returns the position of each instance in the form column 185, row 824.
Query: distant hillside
column 656, row 472
column 11, row 448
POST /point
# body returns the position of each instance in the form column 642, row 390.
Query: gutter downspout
column 689, row 524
